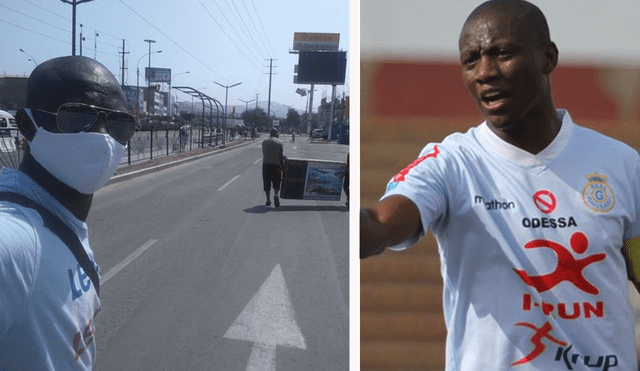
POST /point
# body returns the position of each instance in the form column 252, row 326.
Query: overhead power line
column 170, row 39
column 227, row 35
column 37, row 33
column 262, row 26
column 246, row 47
column 256, row 29
column 46, row 10
column 35, row 19
column 240, row 20
column 62, row 17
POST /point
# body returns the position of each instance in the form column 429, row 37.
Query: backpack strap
column 60, row 229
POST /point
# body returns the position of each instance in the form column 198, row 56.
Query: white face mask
column 84, row 161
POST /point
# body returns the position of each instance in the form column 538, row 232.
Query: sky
column 217, row 41
column 585, row 31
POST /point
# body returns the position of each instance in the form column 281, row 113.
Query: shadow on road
column 261, row 209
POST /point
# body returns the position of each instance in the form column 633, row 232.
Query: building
column 140, row 101
column 13, row 93
column 340, row 113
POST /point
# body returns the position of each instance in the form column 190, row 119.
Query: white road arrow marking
column 268, row 320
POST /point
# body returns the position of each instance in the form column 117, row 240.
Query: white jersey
column 530, row 245
column 48, row 305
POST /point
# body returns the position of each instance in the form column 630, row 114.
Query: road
column 197, row 274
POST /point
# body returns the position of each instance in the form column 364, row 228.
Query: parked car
column 7, row 121
column 317, row 133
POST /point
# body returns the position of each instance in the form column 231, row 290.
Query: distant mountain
column 277, row 109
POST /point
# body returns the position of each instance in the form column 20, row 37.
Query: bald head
column 519, row 15
column 73, row 79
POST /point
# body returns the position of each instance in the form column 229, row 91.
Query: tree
column 256, row 118
column 293, row 120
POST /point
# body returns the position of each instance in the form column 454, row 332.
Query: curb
column 126, row 176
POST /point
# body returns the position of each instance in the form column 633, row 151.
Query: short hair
column 274, row 132
column 527, row 14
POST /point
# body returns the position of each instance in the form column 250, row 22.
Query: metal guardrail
column 145, row 145
column 11, row 151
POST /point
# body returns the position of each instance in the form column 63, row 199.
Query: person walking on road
column 537, row 219
column 77, row 128
column 272, row 165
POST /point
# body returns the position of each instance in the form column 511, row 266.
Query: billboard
column 154, row 74
column 315, row 41
column 312, row 179
column 322, row 68
column 135, row 97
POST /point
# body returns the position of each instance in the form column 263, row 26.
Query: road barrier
column 143, row 146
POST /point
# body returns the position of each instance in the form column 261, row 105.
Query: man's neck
column 76, row 202
column 532, row 134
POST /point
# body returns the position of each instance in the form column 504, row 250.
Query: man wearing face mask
column 77, row 128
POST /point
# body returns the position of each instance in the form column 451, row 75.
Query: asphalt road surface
column 197, row 274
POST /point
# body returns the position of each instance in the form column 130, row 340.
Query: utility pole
column 257, row 100
column 333, row 106
column 310, row 116
column 123, row 66
column 73, row 21
column 225, row 107
column 269, row 99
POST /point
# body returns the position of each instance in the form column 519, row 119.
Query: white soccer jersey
column 48, row 305
column 534, row 277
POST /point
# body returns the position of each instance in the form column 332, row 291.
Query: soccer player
column 535, row 216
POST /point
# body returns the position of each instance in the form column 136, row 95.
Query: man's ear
column 551, row 58
column 26, row 126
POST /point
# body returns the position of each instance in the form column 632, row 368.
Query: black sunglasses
column 79, row 117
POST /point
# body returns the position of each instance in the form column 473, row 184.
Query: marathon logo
column 494, row 204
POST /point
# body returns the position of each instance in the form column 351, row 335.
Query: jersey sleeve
column 424, row 183
column 18, row 267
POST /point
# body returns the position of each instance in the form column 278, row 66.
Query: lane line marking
column 258, row 160
column 229, row 182
column 120, row 266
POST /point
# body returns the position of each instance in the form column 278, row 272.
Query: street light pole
column 73, row 21
column 225, row 107
column 170, row 96
column 247, row 102
column 148, row 74
column 32, row 59
column 138, row 81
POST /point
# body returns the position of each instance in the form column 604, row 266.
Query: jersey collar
column 494, row 144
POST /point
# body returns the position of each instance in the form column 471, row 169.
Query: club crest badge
column 597, row 194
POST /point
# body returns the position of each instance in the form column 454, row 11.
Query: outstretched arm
column 387, row 223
